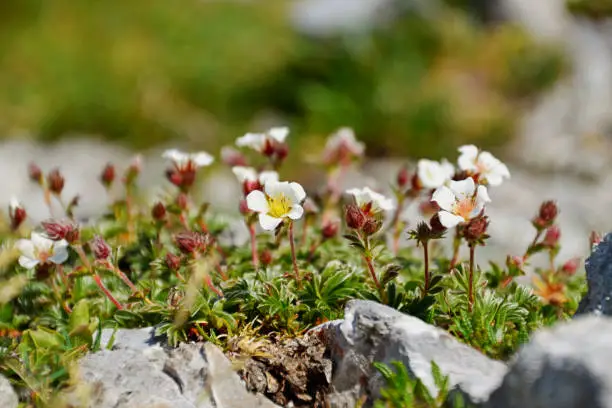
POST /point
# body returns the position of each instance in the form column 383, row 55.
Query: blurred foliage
column 595, row 9
column 149, row 71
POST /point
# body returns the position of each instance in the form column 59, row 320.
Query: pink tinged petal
column 202, row 159
column 445, row 198
column 298, row 192
column 268, row 176
column 449, row 220
column 269, row 223
column 28, row 262
column 26, row 247
column 244, row 173
column 256, row 201
column 296, row 212
column 41, row 243
column 279, row 133
column 463, row 189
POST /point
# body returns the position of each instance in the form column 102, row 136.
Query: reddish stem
column 106, row 291
column 212, row 287
column 125, row 279
column 368, row 260
column 253, row 245
column 293, row 257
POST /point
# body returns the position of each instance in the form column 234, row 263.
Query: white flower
column 490, row 169
column 258, row 141
column 250, row 174
column 433, row 174
column 460, row 201
column 342, row 146
column 182, row 159
column 365, row 197
column 40, row 250
column 278, row 201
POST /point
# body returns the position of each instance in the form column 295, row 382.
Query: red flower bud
column 570, row 267
column 55, row 181
column 330, row 229
column 268, row 148
column 476, row 228
column 547, row 215
column 107, row 177
column 17, row 215
column 354, row 217
column 265, row 257
column 35, row 173
column 403, row 177
column 182, row 201
column 158, row 212
column 436, row 225
column 232, row 157
column 516, row 261
column 281, row 150
column 100, row 248
column 173, row 261
column 250, row 185
column 243, row 207
column 372, row 226
column 192, row 242
column 551, row 239
column 58, row 230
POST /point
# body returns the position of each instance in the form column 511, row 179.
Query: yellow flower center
column 279, row 206
column 464, row 208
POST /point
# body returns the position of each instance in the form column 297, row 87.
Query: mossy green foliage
column 593, row 9
column 203, row 72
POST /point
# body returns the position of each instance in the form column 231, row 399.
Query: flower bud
column 55, row 181
column 515, row 261
column 354, row 217
column 58, row 230
column 403, row 177
column 415, row 182
column 100, row 248
column 476, row 228
column 551, row 239
column 250, row 185
column 173, row 261
column 107, row 177
column 35, row 173
column 17, row 214
column 158, row 212
column 268, row 149
column 182, row 201
column 594, row 239
column 174, row 177
column 436, row 224
column 281, row 150
column 192, row 242
column 570, row 267
column 265, row 257
column 232, row 157
column 310, row 207
column 372, row 226
column 547, row 215
column 243, row 207
column 330, row 229
column 133, row 170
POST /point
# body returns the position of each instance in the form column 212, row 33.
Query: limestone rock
column 599, row 279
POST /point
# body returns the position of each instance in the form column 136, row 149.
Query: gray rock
column 8, row 397
column 599, row 279
column 129, row 338
column 373, row 332
column 190, row 376
column 567, row 366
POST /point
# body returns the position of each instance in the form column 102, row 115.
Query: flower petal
column 464, row 188
column 28, row 262
column 445, row 198
column 482, row 195
column 253, row 140
column 269, row 223
column 244, row 173
column 41, row 243
column 296, row 212
column 298, row 192
column 267, row 176
column 176, row 156
column 279, row 133
column 26, row 247
column 449, row 220
column 431, row 173
column 202, row 159
column 60, row 252
column 467, row 159
column 256, row 201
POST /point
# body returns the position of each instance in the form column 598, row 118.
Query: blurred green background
column 201, row 73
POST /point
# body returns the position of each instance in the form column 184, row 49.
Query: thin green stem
column 471, row 279
column 254, row 256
